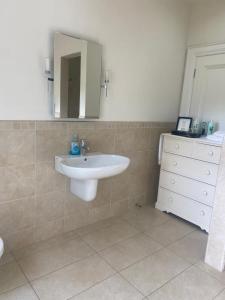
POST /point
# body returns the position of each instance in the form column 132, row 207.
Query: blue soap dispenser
column 75, row 145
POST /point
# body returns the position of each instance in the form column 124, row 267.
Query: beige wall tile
column 99, row 213
column 76, row 220
column 99, row 140
column 27, row 150
column 51, row 125
column 50, row 143
column 15, row 215
column 48, row 179
column 120, row 187
column 20, row 238
column 16, row 182
column 49, row 206
column 18, row 125
column 72, row 204
column 16, row 147
column 136, row 201
column 48, row 229
column 119, row 207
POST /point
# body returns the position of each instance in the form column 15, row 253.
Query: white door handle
column 173, row 181
column 177, row 146
column 174, row 163
column 202, row 213
column 205, row 193
column 211, row 153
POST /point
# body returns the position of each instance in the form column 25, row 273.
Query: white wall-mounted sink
column 85, row 171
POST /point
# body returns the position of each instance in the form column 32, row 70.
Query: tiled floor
column 144, row 254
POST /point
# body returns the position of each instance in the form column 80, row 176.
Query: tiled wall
column 35, row 202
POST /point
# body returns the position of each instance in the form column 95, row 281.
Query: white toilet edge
column 1, row 247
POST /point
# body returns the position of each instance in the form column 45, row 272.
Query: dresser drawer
column 177, row 146
column 187, row 187
column 194, row 169
column 190, row 210
column 207, row 153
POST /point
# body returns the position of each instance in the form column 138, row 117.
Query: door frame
column 193, row 53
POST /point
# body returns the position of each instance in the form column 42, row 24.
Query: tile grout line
column 97, row 253
column 169, row 280
column 220, row 293
column 208, row 273
column 116, row 273
column 119, row 272
column 28, row 281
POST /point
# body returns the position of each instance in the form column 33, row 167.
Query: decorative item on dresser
column 188, row 178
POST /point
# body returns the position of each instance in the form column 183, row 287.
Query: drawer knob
column 205, row 193
column 211, row 153
column 202, row 213
column 174, row 163
column 208, row 172
column 177, row 146
column 173, row 181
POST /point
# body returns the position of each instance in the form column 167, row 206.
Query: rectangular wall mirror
column 77, row 78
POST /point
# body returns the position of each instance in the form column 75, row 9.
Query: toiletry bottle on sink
column 75, row 146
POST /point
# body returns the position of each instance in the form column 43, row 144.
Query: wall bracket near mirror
column 105, row 84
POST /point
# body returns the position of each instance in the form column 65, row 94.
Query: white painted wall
column 207, row 22
column 144, row 44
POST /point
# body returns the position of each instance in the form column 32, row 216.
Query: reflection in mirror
column 70, row 86
column 77, row 75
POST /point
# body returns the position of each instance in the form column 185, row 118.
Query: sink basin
column 85, row 171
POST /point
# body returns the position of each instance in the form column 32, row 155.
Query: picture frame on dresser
column 184, row 124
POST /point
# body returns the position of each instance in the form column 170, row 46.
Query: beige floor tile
column 106, row 237
column 192, row 247
column 146, row 217
column 170, row 231
column 24, row 292
column 56, row 241
column 51, row 259
column 98, row 225
column 72, row 279
column 193, row 284
column 220, row 296
column 130, row 251
column 114, row 288
column 154, row 271
column 11, row 277
column 213, row 272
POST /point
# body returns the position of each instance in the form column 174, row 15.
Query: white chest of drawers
column 188, row 178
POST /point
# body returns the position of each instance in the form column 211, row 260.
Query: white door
column 208, row 95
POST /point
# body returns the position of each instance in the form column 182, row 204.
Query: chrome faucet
column 84, row 147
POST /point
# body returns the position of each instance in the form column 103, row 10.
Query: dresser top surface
column 202, row 140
